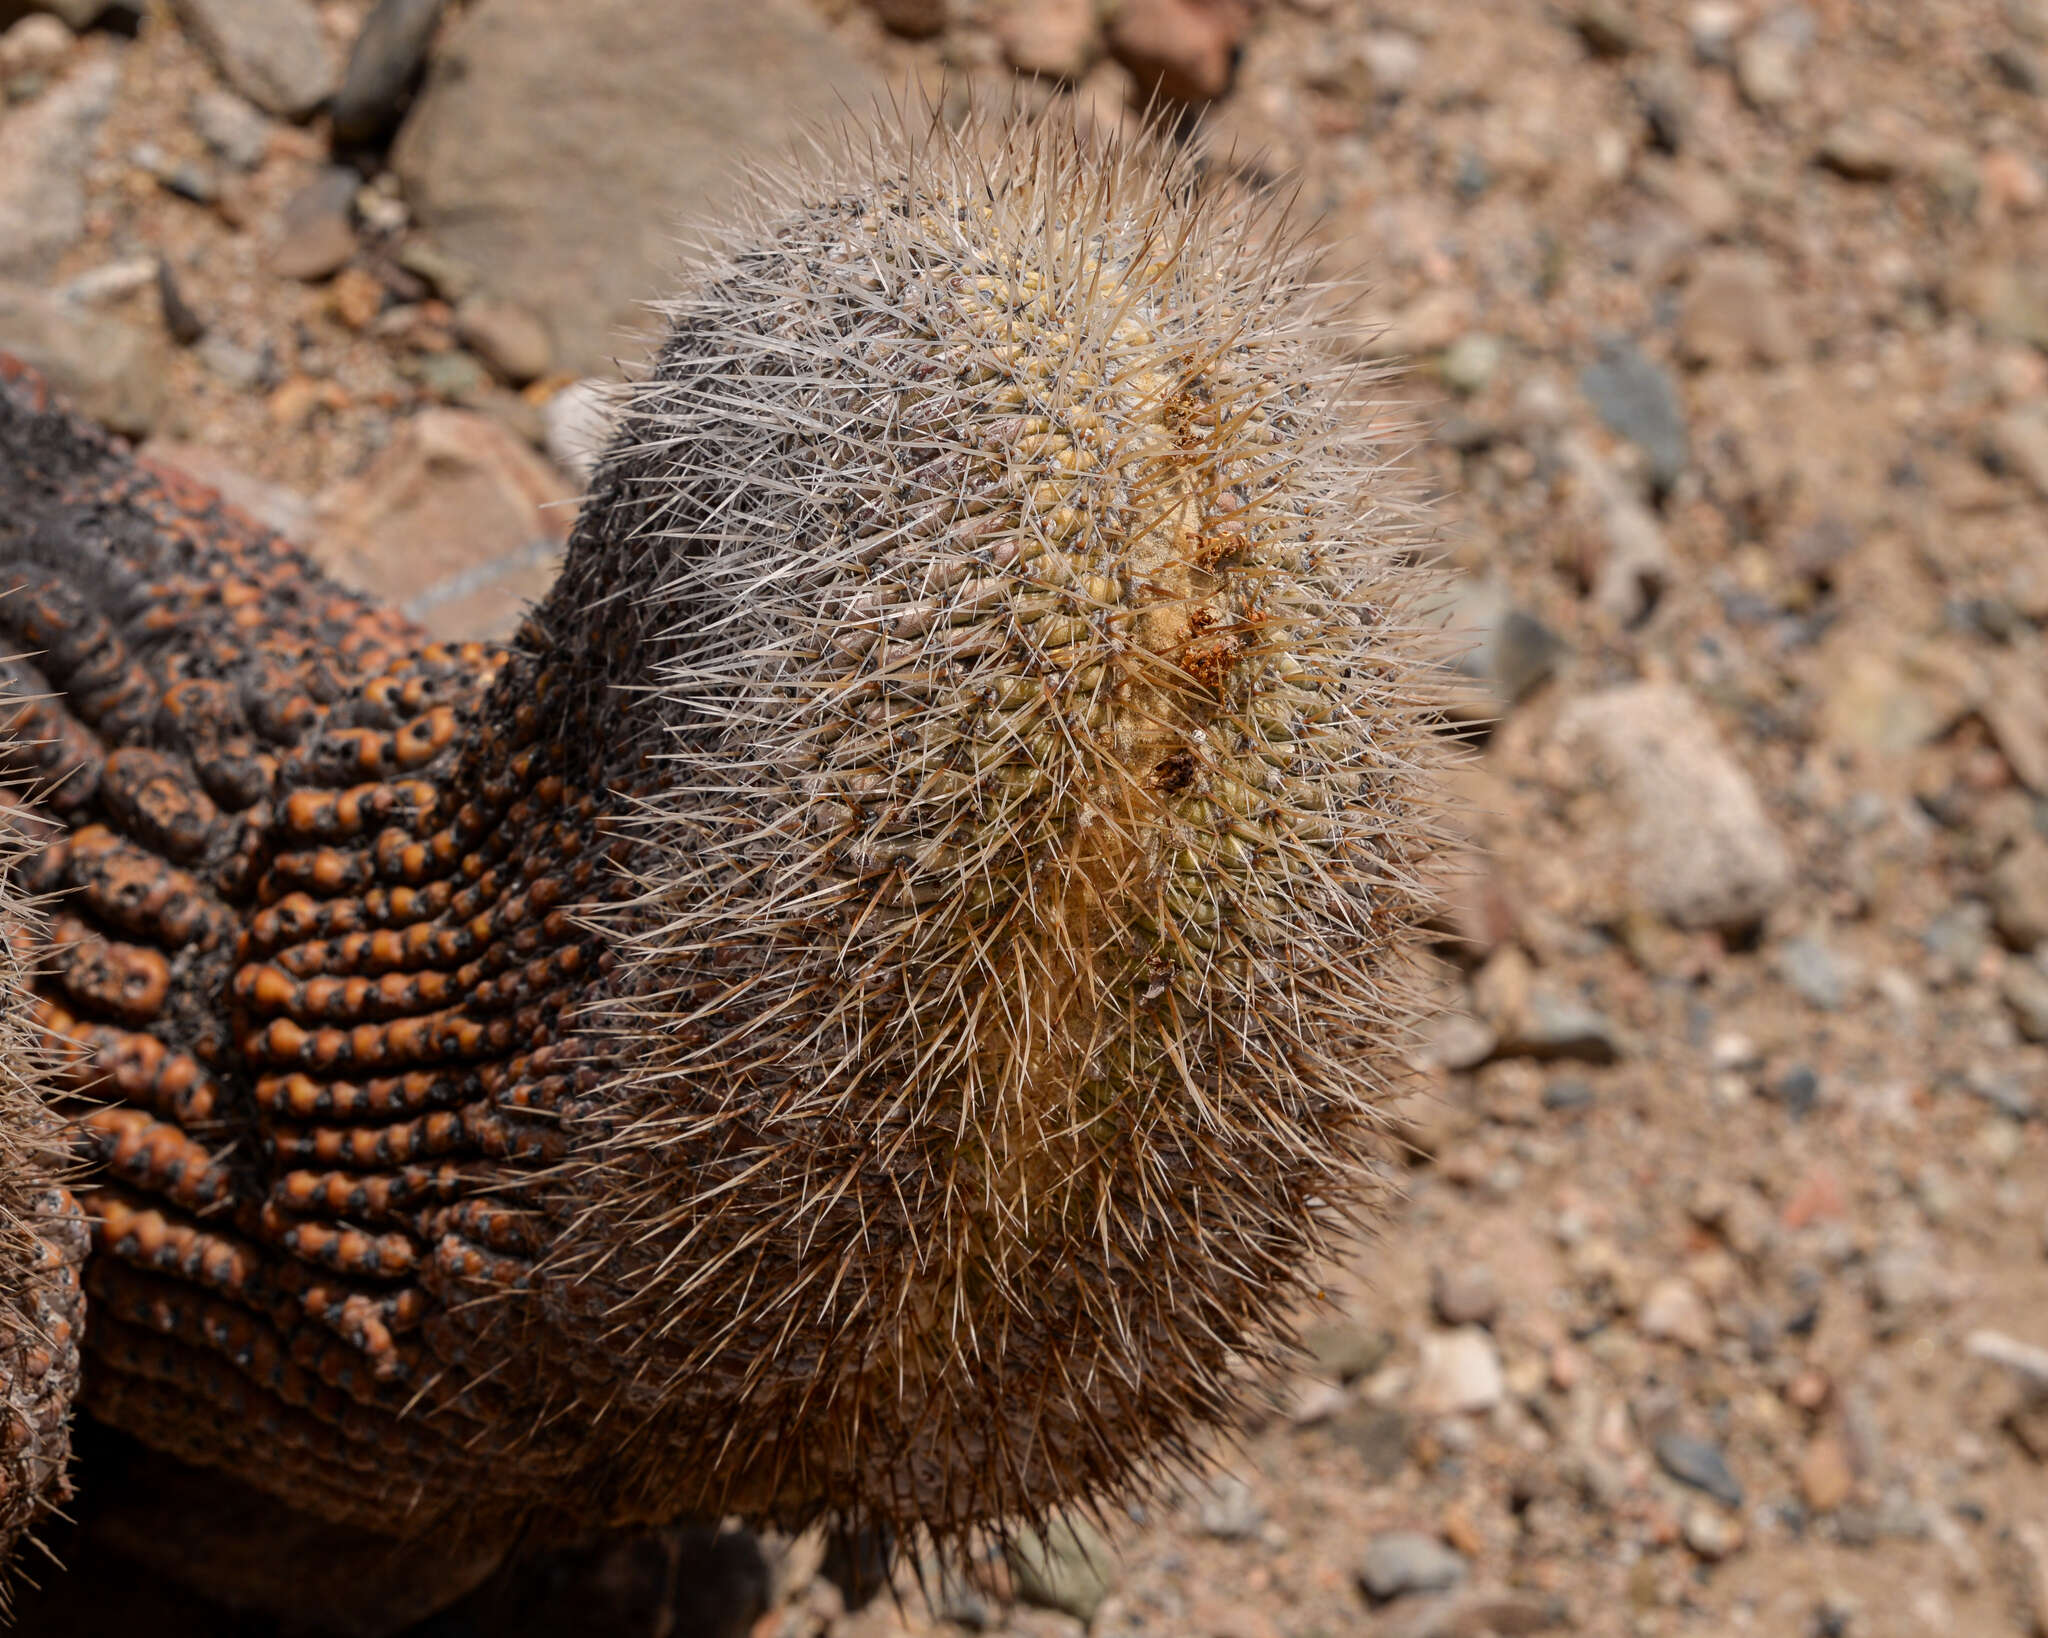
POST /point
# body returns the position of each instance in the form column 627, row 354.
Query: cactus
column 870, row 1011
column 1016, row 637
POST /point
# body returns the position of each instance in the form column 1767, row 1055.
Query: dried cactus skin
column 868, row 1010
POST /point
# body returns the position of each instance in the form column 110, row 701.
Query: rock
column 2008, row 298
column 1825, row 1476
column 1822, row 978
column 356, row 297
column 272, row 505
column 1711, row 1533
column 2027, row 1363
column 240, row 367
column 2021, row 70
column 1470, row 362
column 1467, row 1294
column 1767, row 71
column 181, row 323
column 1639, row 401
column 109, row 370
column 1393, row 59
column 1859, row 150
column 1459, row 1372
column 913, row 19
column 513, row 344
column 2014, row 706
column 45, row 146
column 1608, row 27
column 38, row 44
column 110, row 282
column 452, row 493
column 1734, row 313
column 1455, row 1040
column 272, row 51
column 1902, row 1278
column 2029, row 20
column 1398, row 1562
column 1635, row 566
column 1056, row 38
column 1185, row 50
column 1344, row 1349
column 1567, row 1095
column 450, row 277
column 1699, row 848
column 1226, row 1508
column 2018, row 442
column 648, row 108
column 1067, row 1566
column 384, row 65
column 1712, row 26
column 315, row 233
column 76, row 15
column 1378, row 1433
column 2019, row 895
column 2025, row 988
column 1673, row 1310
column 1699, row 1463
column 234, row 128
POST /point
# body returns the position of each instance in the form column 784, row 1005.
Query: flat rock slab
column 566, row 152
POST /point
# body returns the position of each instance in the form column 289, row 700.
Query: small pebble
column 1399, row 1562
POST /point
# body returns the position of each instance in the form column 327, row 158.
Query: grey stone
column 647, row 109
column 1398, row 1562
column 1067, row 1566
column 1378, row 1433
column 1465, row 1295
column 315, row 233
column 44, row 148
column 1226, row 1508
column 1956, row 942
column 108, row 369
column 1343, row 1349
column 1822, row 978
column 384, row 65
column 1700, row 848
column 1555, row 1025
column 272, row 51
column 233, row 127
column 1639, row 401
column 1699, row 1463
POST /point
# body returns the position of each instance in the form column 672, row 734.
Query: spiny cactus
column 870, row 1011
column 1011, row 591
column 42, row 1246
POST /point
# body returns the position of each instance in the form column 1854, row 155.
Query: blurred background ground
column 1718, row 1298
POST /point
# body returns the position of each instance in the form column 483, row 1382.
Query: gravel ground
column 1717, row 1298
